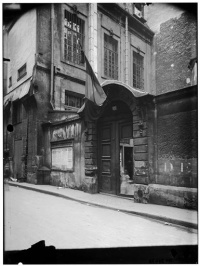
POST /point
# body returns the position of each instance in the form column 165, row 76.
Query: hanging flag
column 94, row 94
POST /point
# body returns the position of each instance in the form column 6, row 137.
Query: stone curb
column 147, row 215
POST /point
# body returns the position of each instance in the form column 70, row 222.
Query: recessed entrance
column 115, row 147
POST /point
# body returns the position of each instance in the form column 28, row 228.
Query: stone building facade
column 144, row 143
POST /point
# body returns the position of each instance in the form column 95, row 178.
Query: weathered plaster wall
column 61, row 177
column 22, row 47
column 68, row 76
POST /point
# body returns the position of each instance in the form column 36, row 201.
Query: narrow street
column 30, row 217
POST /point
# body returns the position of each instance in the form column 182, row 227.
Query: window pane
column 110, row 57
column 73, row 36
column 73, row 100
column 138, row 71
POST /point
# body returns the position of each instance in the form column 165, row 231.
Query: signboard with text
column 62, row 158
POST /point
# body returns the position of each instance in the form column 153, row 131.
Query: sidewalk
column 170, row 215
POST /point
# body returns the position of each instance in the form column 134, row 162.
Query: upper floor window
column 73, row 37
column 73, row 99
column 110, row 57
column 138, row 71
column 22, row 72
column 17, row 112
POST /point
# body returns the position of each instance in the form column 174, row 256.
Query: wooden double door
column 111, row 133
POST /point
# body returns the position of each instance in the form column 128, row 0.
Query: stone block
column 173, row 196
column 141, row 141
column 90, row 184
column 32, row 178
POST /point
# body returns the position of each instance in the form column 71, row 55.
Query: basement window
column 73, row 99
column 22, row 72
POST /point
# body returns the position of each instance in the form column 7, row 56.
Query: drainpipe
column 126, row 50
column 52, row 57
column 156, row 140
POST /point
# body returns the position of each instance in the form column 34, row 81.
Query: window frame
column 80, row 16
column 63, row 144
column 10, row 82
column 20, row 76
column 139, row 54
column 75, row 95
column 118, row 55
column 117, row 38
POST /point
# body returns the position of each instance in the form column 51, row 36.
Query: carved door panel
column 108, row 157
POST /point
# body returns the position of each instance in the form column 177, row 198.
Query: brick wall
column 175, row 47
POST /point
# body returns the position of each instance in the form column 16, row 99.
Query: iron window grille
column 73, row 37
column 110, row 57
column 138, row 71
column 73, row 99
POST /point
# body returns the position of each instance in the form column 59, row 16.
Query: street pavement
column 167, row 214
column 30, row 216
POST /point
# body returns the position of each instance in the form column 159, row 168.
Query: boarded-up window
column 62, row 158
column 110, row 57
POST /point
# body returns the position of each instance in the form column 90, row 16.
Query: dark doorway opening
column 114, row 144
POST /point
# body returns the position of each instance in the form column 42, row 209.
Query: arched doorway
column 115, row 147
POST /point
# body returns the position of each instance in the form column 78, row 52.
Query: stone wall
column 178, row 139
column 22, row 47
column 176, row 45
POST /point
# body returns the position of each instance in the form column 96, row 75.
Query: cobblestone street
column 31, row 217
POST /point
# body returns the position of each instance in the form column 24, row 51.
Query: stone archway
column 139, row 142
column 117, row 91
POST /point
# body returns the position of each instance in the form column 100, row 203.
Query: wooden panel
column 106, row 164
column 105, row 149
column 107, row 160
column 106, row 183
column 140, row 141
column 105, row 133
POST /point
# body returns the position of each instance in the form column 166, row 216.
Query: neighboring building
column 124, row 151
